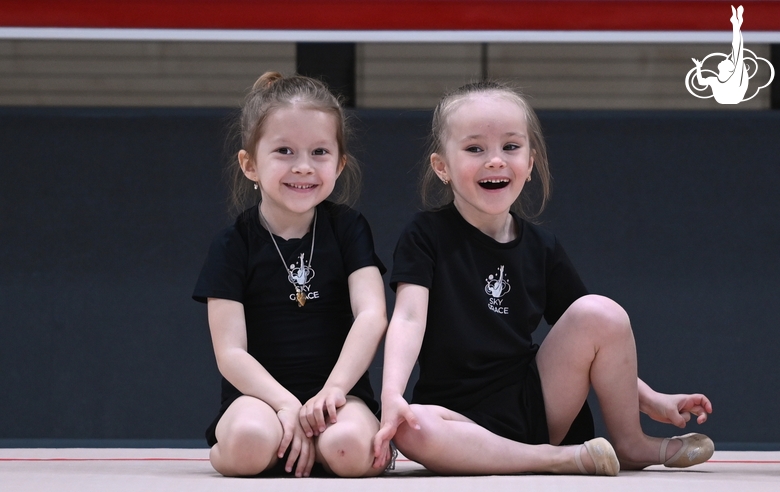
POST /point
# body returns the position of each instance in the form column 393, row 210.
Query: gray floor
column 188, row 470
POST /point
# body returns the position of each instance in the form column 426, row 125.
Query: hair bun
column 266, row 80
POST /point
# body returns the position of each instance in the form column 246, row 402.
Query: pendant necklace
column 300, row 297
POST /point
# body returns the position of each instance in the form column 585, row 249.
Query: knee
column 414, row 442
column 245, row 448
column 346, row 450
column 602, row 314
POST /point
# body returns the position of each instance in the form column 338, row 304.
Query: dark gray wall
column 106, row 215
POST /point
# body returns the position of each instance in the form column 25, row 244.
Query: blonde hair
column 270, row 92
column 435, row 194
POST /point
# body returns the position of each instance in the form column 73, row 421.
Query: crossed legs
column 249, row 434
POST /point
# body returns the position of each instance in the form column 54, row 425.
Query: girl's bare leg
column 248, row 436
column 345, row 448
column 592, row 344
column 449, row 443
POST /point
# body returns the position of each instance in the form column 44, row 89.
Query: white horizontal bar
column 236, row 35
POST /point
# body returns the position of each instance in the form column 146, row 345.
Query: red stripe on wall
column 389, row 14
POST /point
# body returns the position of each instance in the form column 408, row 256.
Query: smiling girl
column 295, row 298
column 473, row 280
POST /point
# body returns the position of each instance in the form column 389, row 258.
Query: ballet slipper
column 695, row 449
column 603, row 456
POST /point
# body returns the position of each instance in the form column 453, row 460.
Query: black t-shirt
column 486, row 298
column 298, row 346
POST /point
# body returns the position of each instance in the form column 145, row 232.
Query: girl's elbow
column 226, row 359
column 374, row 315
column 372, row 324
column 379, row 321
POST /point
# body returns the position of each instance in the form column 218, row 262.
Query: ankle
column 565, row 460
column 645, row 452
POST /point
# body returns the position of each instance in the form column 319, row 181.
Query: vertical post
column 484, row 61
column 774, row 55
column 333, row 63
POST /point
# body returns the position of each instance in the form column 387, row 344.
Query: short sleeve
column 356, row 241
column 414, row 258
column 224, row 272
column 564, row 285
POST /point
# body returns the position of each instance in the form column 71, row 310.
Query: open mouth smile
column 300, row 186
column 494, row 184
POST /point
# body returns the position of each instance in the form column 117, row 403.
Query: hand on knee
column 413, row 442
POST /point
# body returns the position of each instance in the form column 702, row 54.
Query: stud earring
column 256, row 187
column 445, row 181
column 528, row 179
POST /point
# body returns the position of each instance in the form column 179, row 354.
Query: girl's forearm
column 646, row 393
column 402, row 346
column 252, row 379
column 358, row 351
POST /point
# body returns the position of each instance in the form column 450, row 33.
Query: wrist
column 388, row 395
column 646, row 399
column 334, row 386
column 291, row 405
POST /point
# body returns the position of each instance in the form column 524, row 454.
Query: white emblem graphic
column 497, row 285
column 301, row 274
column 735, row 70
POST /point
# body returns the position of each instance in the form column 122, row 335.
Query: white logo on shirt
column 497, row 286
column 300, row 275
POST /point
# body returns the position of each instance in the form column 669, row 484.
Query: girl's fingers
column 388, row 456
column 701, row 414
column 295, row 451
column 332, row 410
column 411, row 419
column 312, row 419
column 382, row 438
column 319, row 418
column 705, row 403
column 381, row 456
column 381, row 461
column 307, row 429
column 315, row 427
column 286, row 439
column 312, row 459
column 305, row 459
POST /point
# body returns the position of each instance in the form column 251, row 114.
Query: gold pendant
column 300, row 297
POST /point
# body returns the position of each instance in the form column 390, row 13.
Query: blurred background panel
column 387, row 75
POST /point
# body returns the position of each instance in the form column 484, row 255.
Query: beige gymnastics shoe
column 603, row 456
column 696, row 448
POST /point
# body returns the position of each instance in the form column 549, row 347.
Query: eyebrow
column 507, row 134
column 290, row 141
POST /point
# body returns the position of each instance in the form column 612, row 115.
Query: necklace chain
column 300, row 297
